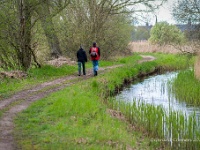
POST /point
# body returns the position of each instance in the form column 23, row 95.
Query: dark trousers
column 81, row 65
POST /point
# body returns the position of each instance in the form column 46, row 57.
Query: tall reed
column 187, row 88
column 197, row 68
column 171, row 128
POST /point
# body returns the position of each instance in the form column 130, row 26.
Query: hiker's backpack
column 93, row 52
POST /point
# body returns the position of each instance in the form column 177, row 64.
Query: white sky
column 164, row 13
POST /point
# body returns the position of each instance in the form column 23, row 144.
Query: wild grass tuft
column 187, row 88
column 51, row 72
column 175, row 62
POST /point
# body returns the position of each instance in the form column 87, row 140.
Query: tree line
column 32, row 31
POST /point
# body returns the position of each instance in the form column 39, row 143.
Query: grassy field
column 77, row 117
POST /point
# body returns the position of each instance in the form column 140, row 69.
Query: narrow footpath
column 21, row 100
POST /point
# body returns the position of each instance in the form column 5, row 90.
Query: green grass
column 73, row 118
column 46, row 73
column 35, row 76
column 187, row 88
column 178, row 61
column 39, row 75
column 129, row 59
column 76, row 116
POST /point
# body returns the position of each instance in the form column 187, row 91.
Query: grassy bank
column 187, row 88
column 77, row 117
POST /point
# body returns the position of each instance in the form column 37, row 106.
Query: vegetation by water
column 174, row 130
column 77, row 116
column 187, row 88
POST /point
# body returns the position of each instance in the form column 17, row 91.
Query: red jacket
column 97, row 50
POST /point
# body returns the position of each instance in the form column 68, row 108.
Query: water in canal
column 176, row 122
column 156, row 90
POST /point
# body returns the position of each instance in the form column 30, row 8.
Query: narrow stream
column 172, row 121
column 156, row 90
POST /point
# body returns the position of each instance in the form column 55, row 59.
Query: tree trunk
column 25, row 34
column 48, row 27
column 52, row 38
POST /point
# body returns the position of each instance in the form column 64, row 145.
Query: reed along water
column 151, row 104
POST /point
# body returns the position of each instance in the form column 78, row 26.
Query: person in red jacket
column 95, row 56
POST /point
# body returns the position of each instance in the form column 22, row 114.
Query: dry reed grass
column 197, row 67
column 61, row 61
column 145, row 46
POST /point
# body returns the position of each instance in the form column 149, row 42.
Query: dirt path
column 21, row 100
column 146, row 58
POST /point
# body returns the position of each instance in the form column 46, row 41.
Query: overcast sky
column 164, row 13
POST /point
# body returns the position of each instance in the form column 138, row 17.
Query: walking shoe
column 95, row 73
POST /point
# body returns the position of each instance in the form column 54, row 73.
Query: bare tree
column 100, row 20
column 99, row 11
column 188, row 12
